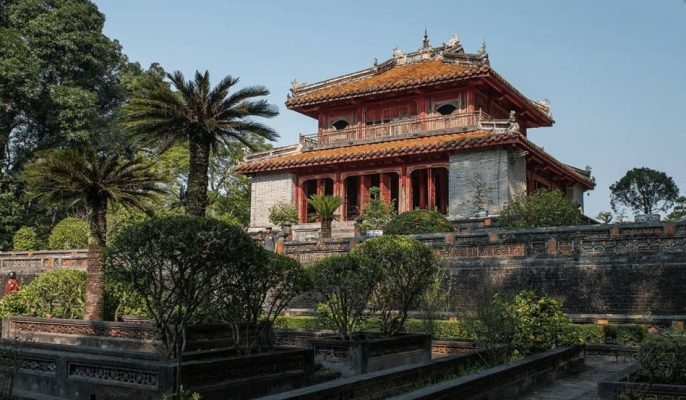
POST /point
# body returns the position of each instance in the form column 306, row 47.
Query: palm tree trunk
column 326, row 228
column 197, row 177
column 95, row 283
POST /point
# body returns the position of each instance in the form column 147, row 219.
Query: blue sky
column 615, row 71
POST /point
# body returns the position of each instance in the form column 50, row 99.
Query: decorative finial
column 453, row 41
column 425, row 42
column 375, row 66
column 296, row 84
column 482, row 50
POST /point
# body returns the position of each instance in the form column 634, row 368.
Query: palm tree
column 96, row 181
column 201, row 116
column 325, row 206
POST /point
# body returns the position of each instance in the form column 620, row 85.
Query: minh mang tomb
column 423, row 127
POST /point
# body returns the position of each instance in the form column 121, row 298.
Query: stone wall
column 265, row 191
column 594, row 269
column 29, row 264
column 502, row 172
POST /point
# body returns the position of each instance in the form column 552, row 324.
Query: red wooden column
column 301, row 201
column 363, row 191
column 320, row 186
column 421, row 177
column 339, row 191
column 405, row 191
column 430, row 189
column 385, row 187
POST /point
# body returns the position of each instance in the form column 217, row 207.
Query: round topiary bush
column 418, row 221
column 54, row 294
column 25, row 239
column 70, row 233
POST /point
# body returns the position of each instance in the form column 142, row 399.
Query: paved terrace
column 581, row 386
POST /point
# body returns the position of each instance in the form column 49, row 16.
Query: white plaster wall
column 267, row 190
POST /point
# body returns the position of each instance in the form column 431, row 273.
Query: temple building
column 436, row 129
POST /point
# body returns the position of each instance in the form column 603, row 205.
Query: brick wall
column 265, row 191
column 502, row 172
column 596, row 269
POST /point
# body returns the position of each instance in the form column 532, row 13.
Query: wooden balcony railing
column 333, row 137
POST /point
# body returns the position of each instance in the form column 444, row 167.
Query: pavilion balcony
column 404, row 128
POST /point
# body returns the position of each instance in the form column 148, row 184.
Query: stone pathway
column 581, row 386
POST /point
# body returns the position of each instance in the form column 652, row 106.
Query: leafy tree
column 605, row 217
column 679, row 211
column 201, row 116
column 70, row 233
column 25, row 239
column 408, row 268
column 346, row 287
column 543, row 208
column 644, row 190
column 418, row 221
column 378, row 213
column 58, row 76
column 325, row 206
column 98, row 181
column 283, row 212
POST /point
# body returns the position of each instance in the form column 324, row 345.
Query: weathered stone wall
column 599, row 269
column 503, row 174
column 29, row 264
column 265, row 191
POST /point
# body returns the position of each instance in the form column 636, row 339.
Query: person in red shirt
column 11, row 286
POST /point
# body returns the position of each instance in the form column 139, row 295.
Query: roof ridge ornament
column 425, row 42
column 399, row 56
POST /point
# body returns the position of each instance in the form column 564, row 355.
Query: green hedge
column 627, row 334
column 418, row 221
column 70, row 233
column 25, row 239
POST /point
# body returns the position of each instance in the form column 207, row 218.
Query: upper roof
column 425, row 67
column 404, row 147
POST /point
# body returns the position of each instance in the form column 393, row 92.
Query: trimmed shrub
column 627, row 334
column 282, row 212
column 528, row 323
column 407, row 268
column 377, row 213
column 346, row 286
column 543, row 208
column 418, row 221
column 197, row 259
column 70, row 233
column 663, row 360
column 25, row 239
column 54, row 294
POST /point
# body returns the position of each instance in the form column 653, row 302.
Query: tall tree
column 644, row 190
column 98, row 181
column 203, row 117
column 58, row 76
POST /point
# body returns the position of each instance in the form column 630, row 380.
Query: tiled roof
column 404, row 147
column 398, row 77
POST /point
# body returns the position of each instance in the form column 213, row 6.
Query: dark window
column 340, row 124
column 446, row 109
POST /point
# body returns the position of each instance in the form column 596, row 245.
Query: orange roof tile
column 409, row 75
column 404, row 147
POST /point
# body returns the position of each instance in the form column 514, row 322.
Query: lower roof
column 445, row 143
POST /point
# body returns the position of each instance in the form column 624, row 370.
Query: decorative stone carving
column 399, row 55
column 37, row 365
column 297, row 85
column 122, row 375
column 514, row 125
column 453, row 42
